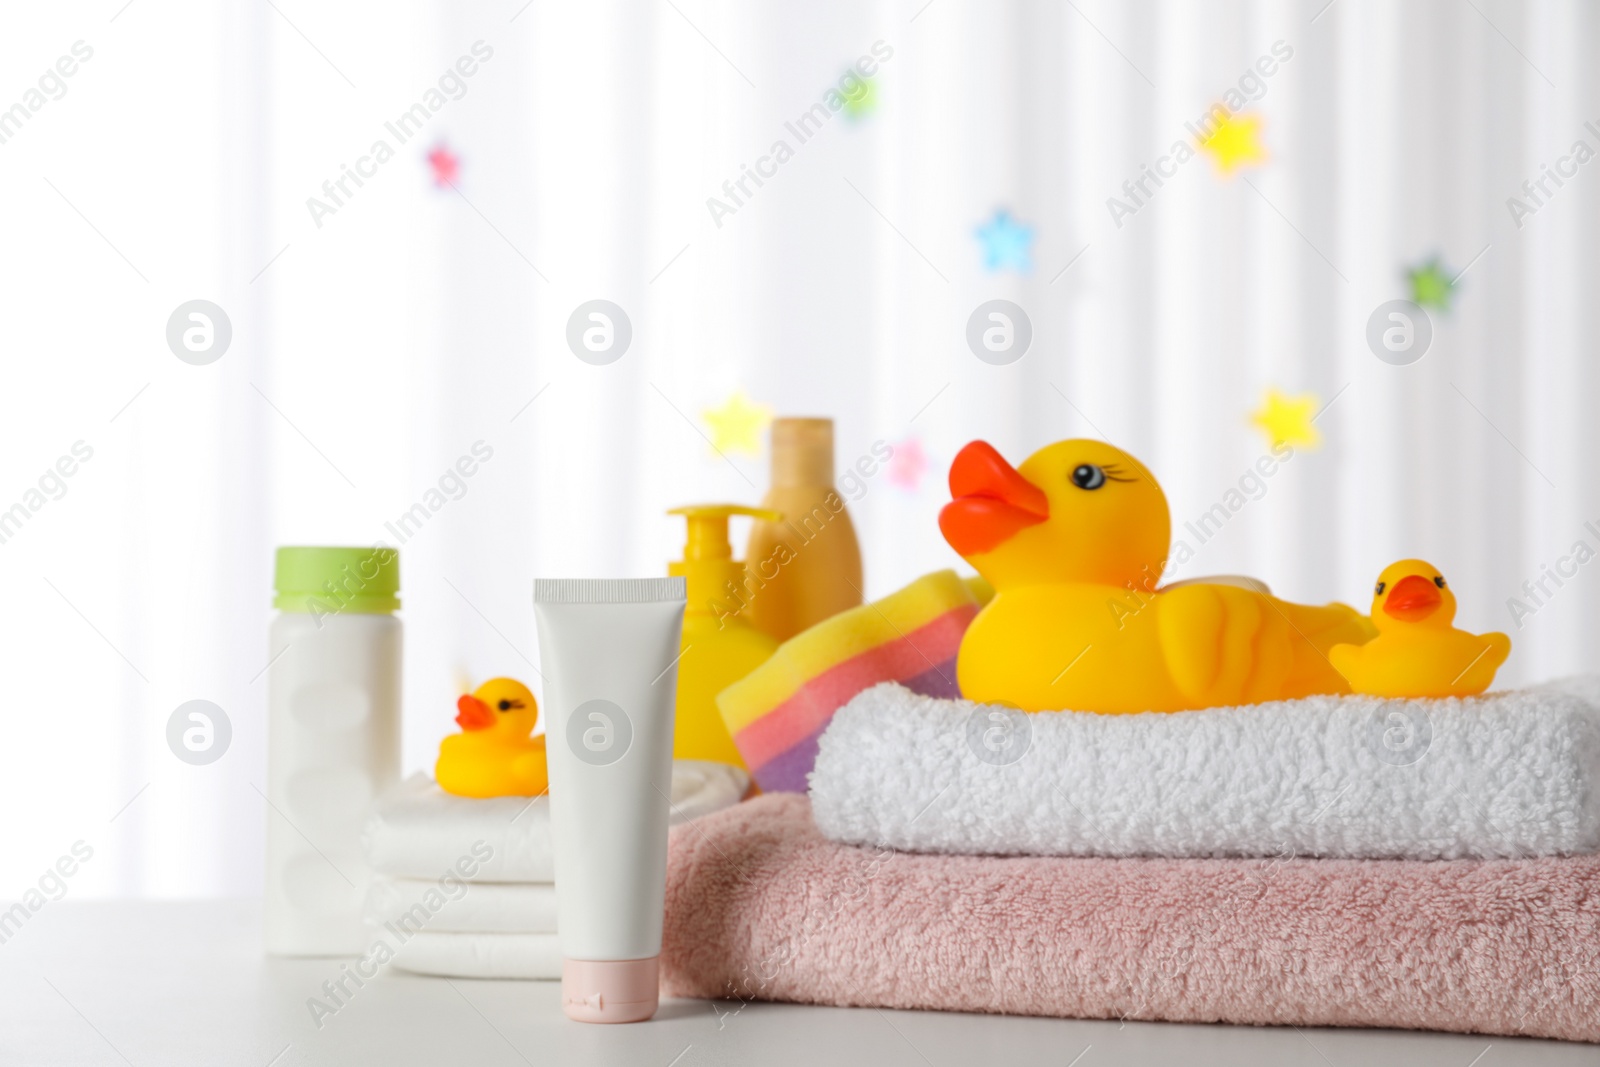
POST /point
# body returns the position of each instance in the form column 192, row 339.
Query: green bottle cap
column 325, row 581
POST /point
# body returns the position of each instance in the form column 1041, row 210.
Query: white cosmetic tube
column 609, row 649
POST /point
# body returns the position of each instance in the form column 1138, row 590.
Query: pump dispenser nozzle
column 708, row 563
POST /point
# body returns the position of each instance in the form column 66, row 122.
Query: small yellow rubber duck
column 493, row 756
column 1417, row 652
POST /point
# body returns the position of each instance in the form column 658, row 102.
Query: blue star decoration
column 1006, row 243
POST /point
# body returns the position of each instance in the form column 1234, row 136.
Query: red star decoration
column 445, row 166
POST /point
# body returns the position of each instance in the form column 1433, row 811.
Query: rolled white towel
column 469, row 907
column 417, row 830
column 481, row 955
column 1503, row 775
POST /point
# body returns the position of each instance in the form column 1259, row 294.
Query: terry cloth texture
column 760, row 906
column 777, row 712
column 1506, row 775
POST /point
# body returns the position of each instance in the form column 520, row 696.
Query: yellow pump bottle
column 719, row 645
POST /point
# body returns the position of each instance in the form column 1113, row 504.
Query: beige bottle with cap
column 806, row 567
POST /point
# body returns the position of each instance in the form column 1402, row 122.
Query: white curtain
column 377, row 343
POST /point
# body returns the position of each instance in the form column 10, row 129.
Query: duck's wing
column 1497, row 647
column 531, row 770
column 1223, row 644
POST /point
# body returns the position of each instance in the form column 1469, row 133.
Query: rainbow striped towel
column 778, row 711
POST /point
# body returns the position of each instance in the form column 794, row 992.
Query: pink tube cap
column 610, row 991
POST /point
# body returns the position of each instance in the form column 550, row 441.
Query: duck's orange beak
column 1412, row 599
column 474, row 714
column 992, row 501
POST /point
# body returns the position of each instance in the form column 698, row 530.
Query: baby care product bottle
column 807, row 566
column 719, row 644
column 610, row 649
column 333, row 740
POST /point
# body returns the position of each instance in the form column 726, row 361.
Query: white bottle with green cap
column 333, row 739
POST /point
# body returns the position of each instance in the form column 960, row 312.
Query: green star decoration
column 1431, row 285
column 863, row 103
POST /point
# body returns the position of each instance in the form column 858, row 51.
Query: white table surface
column 185, row 983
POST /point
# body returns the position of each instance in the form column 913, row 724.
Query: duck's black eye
column 1439, row 581
column 504, row 705
column 1088, row 476
column 1378, row 591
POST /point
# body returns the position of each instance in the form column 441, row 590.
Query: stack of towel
column 465, row 887
column 1333, row 861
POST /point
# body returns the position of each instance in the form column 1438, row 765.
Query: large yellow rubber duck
column 1074, row 542
column 1417, row 652
column 493, row 756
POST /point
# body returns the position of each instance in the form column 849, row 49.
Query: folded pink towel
column 761, row 907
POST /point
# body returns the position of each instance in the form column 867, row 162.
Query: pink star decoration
column 445, row 166
column 908, row 464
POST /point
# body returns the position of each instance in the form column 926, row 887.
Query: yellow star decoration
column 736, row 426
column 1235, row 142
column 1287, row 419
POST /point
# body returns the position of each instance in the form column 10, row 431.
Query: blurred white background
column 371, row 351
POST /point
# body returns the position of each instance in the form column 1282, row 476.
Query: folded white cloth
column 480, row 955
column 1507, row 774
column 476, row 907
column 417, row 830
